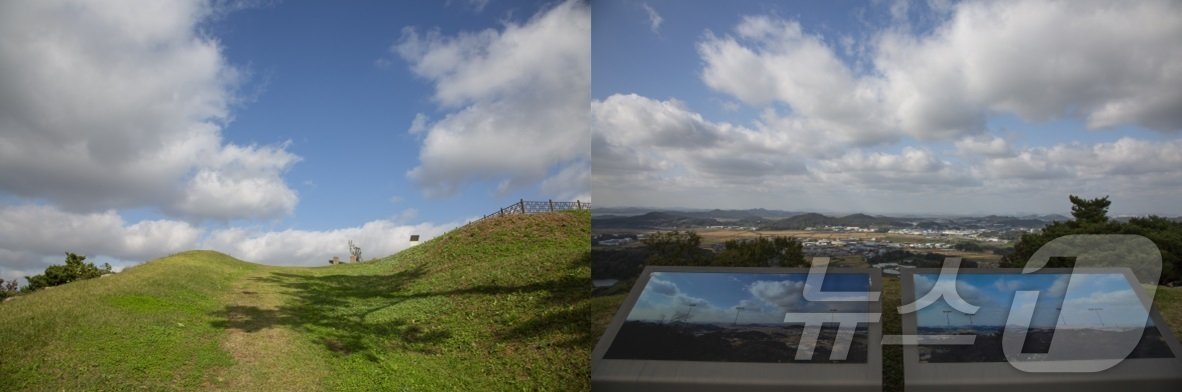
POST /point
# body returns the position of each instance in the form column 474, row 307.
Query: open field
column 980, row 257
column 848, row 262
column 715, row 236
column 502, row 304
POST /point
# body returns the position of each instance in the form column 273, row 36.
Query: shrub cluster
column 75, row 269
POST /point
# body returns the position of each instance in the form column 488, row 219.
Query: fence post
column 578, row 205
column 551, row 205
column 523, row 206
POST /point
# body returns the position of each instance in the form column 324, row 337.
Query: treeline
column 685, row 248
column 1090, row 216
column 75, row 269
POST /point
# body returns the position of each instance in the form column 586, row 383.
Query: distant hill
column 719, row 214
column 817, row 220
column 754, row 213
column 653, row 220
column 500, row 304
column 764, row 219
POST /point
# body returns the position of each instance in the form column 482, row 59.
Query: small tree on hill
column 1089, row 211
column 75, row 269
column 355, row 251
column 8, row 289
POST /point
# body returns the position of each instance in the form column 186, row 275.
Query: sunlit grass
column 148, row 326
column 502, row 304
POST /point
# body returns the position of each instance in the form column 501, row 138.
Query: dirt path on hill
column 270, row 356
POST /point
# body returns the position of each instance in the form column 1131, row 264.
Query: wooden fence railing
column 535, row 207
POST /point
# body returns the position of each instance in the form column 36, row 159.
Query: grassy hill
column 497, row 305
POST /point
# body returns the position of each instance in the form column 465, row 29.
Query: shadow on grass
column 337, row 310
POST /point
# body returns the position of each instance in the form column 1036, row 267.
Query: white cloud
column 663, row 287
column 983, row 145
column 636, row 138
column 313, row 248
column 786, row 295
column 904, row 171
column 654, row 19
column 418, row 125
column 1103, row 63
column 115, row 105
column 1126, row 161
column 1026, row 165
column 240, row 182
column 773, row 60
column 519, row 96
column 47, row 230
column 32, row 237
column 899, row 10
column 572, row 182
column 647, row 151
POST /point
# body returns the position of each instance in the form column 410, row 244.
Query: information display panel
column 1103, row 318
column 712, row 328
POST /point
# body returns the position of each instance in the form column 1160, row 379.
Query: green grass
column 501, row 304
column 146, row 327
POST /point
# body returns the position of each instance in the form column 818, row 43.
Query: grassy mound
column 496, row 305
column 148, row 326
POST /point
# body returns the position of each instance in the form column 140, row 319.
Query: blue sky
column 328, row 82
column 275, row 131
column 887, row 106
column 765, row 298
column 994, row 293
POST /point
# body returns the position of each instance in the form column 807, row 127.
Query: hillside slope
column 496, row 305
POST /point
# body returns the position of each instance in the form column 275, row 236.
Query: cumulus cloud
column 786, row 295
column 121, row 105
column 518, row 98
column 836, row 124
column 647, row 150
column 636, row 138
column 663, row 287
column 312, row 247
column 34, row 236
column 1037, row 60
column 47, row 230
column 1126, row 161
column 774, row 60
column 904, row 171
column 983, row 145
